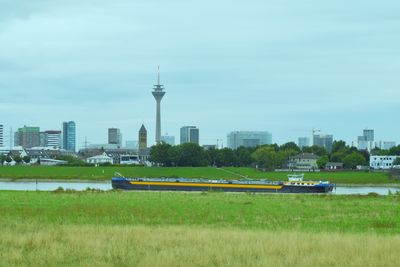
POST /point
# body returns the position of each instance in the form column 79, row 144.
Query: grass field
column 66, row 245
column 312, row 213
column 197, row 229
column 105, row 173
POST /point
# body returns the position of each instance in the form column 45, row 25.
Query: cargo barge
column 295, row 184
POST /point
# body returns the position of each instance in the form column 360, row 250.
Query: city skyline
column 379, row 143
column 283, row 67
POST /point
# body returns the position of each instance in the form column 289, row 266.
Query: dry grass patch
column 34, row 245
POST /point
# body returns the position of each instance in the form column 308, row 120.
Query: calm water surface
column 80, row 186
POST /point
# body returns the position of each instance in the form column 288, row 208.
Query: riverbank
column 67, row 228
column 61, row 173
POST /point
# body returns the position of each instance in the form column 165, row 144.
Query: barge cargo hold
column 183, row 184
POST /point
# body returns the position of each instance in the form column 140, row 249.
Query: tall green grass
column 310, row 213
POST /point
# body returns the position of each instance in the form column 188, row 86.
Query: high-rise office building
column 42, row 139
column 304, row 142
column 369, row 134
column 386, row 145
column 53, row 138
column 142, row 138
column 323, row 140
column 69, row 136
column 27, row 137
column 190, row 134
column 114, row 136
column 1, row 135
column 158, row 93
column 248, row 139
column 168, row 139
column 366, row 141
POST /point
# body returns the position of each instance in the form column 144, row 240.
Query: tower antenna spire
column 158, row 78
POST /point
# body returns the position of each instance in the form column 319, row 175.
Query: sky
column 284, row 66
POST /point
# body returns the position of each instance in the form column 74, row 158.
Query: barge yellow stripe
column 277, row 187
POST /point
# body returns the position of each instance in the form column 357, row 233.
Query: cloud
column 246, row 65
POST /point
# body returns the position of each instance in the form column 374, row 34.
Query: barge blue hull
column 125, row 184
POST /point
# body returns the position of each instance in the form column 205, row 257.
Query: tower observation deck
column 158, row 93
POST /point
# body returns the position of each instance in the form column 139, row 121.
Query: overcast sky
column 285, row 66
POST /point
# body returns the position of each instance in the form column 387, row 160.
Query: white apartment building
column 53, row 139
column 381, row 162
column 99, row 159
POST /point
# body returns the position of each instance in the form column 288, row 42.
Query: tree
column 338, row 145
column 264, row 157
column 161, row 154
column 191, row 155
column 396, row 161
column 8, row 159
column 2, row 159
column 322, row 161
column 275, row 147
column 17, row 159
column 243, row 156
column 290, row 146
column 212, row 155
column 173, row 153
column 317, row 150
column 395, row 151
column 379, row 152
column 338, row 156
column 268, row 158
column 353, row 160
column 228, row 157
column 365, row 153
column 26, row 159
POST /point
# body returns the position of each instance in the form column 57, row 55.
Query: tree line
column 268, row 157
column 18, row 159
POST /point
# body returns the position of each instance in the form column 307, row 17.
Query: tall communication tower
column 158, row 93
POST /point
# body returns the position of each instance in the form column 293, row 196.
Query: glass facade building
column 69, row 136
column 323, row 140
column 114, row 136
column 366, row 141
column 190, row 134
column 369, row 135
column 304, row 142
column 248, row 139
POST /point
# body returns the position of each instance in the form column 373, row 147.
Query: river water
column 80, row 186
